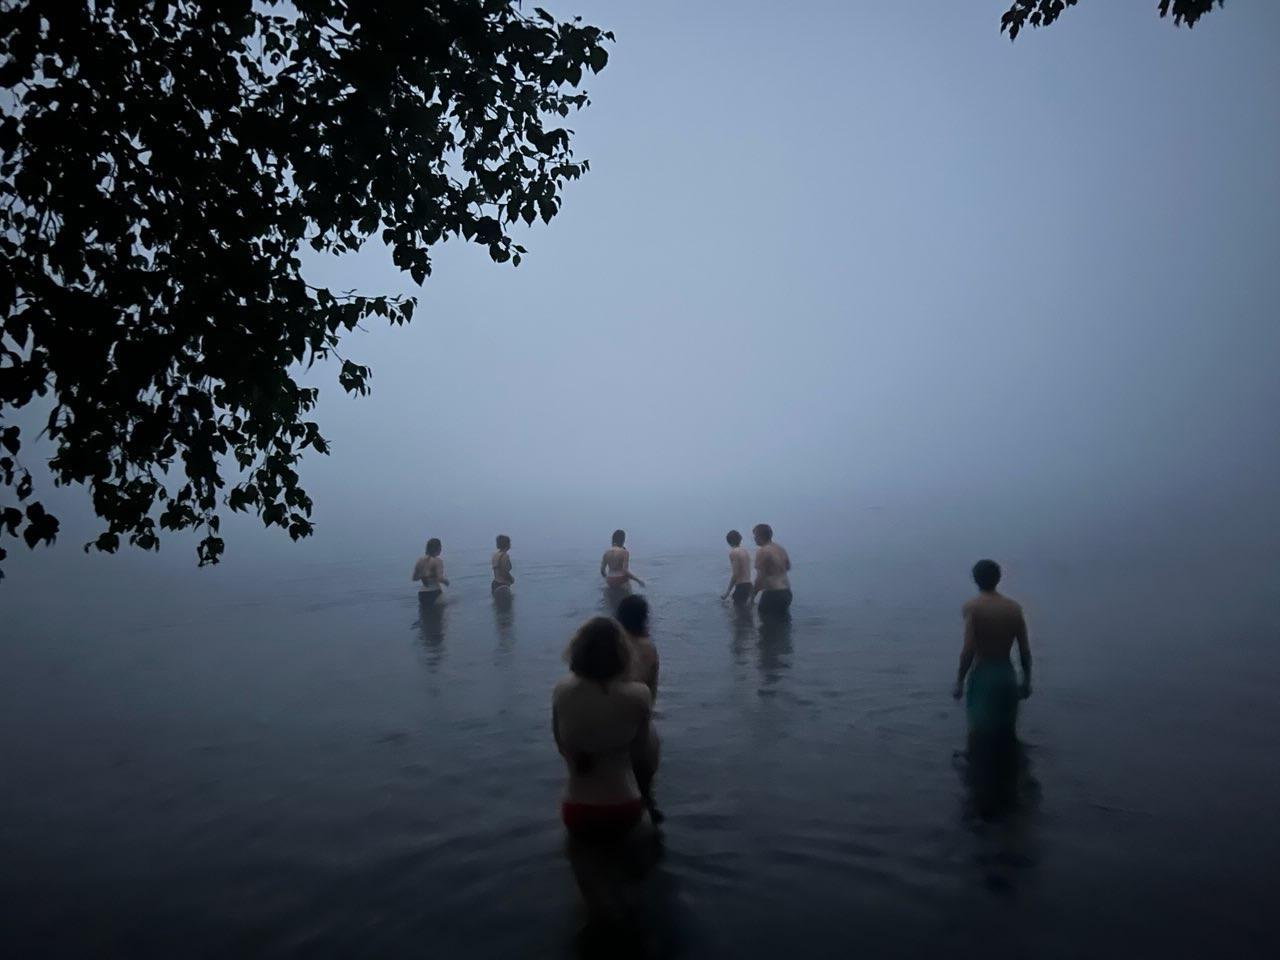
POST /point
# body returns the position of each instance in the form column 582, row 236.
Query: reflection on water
column 742, row 629
column 1000, row 802
column 504, row 619
column 611, row 596
column 612, row 877
column 632, row 905
column 432, row 617
column 774, row 648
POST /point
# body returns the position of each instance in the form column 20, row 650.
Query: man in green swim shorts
column 992, row 623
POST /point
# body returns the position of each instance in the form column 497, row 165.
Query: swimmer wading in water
column 615, row 565
column 993, row 623
column 600, row 719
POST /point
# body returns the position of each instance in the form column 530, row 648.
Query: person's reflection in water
column 431, row 627
column 742, row 623
column 612, row 596
column 992, row 770
column 774, row 648
column 504, row 619
column 999, row 805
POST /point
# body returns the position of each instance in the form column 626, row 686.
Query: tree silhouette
column 1041, row 13
column 163, row 164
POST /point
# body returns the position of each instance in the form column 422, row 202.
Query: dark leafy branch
column 162, row 165
column 1041, row 13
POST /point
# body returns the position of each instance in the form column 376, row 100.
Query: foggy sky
column 835, row 257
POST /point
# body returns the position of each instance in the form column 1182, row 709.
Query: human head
column 598, row 651
column 619, row 537
column 633, row 614
column 763, row 533
column 434, row 547
column 504, row 542
column 986, row 574
column 734, row 538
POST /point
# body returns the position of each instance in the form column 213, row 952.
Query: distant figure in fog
column 501, row 563
column 633, row 615
column 739, row 571
column 600, row 718
column 772, row 566
column 429, row 571
column 615, row 565
column 992, row 624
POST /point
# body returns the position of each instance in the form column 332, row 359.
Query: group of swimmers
column 602, row 711
column 772, row 583
column 603, row 725
column 428, row 571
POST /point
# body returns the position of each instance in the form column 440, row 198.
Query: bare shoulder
column 969, row 606
column 638, row 693
column 566, row 686
column 646, row 648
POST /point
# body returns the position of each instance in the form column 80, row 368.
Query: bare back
column 616, row 560
column 429, row 571
column 644, row 663
column 501, row 564
column 596, row 728
column 993, row 623
column 772, row 565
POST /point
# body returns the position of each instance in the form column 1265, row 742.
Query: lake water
column 289, row 763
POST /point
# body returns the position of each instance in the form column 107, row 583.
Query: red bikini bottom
column 601, row 821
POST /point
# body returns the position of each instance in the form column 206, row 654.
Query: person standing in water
column 429, row 571
column 501, row 563
column 772, row 566
column 739, row 571
column 992, row 624
column 600, row 718
column 633, row 615
column 615, row 565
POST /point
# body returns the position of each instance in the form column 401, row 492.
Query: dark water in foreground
column 291, row 764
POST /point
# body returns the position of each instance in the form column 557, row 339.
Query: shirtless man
column 501, row 563
column 429, row 571
column 772, row 565
column 739, row 571
column 615, row 565
column 992, row 624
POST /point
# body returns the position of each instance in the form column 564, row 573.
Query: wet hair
column 734, row 538
column 504, row 542
column 619, row 537
column 763, row 531
column 599, row 651
column 633, row 614
column 986, row 574
column 433, row 547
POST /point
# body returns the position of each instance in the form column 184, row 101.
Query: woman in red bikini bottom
column 601, row 722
